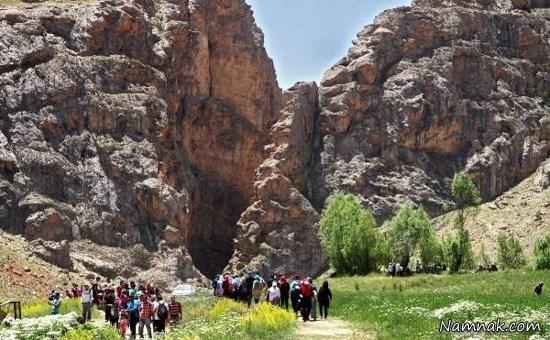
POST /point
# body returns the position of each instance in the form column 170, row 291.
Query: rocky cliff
column 161, row 123
column 432, row 89
column 128, row 122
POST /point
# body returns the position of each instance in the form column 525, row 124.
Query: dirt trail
column 329, row 329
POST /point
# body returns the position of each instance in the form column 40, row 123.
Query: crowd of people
column 127, row 306
column 304, row 296
column 140, row 307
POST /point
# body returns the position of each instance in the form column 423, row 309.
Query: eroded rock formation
column 432, row 89
column 129, row 122
column 161, row 123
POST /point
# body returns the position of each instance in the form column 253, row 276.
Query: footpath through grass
column 411, row 308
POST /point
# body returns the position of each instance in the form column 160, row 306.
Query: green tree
column 542, row 253
column 412, row 232
column 348, row 236
column 459, row 249
column 510, row 253
column 484, row 259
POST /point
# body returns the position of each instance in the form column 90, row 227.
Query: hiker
column 306, row 294
column 227, row 286
column 55, row 302
column 175, row 311
column 274, row 294
column 313, row 301
column 109, row 302
column 324, row 297
column 75, row 291
column 97, row 292
column 133, row 314
column 123, row 324
column 87, row 299
column 257, row 288
column 161, row 312
column 132, row 290
column 295, row 295
column 285, row 291
column 247, row 288
column 236, row 288
column 145, row 316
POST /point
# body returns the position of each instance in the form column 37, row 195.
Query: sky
column 305, row 37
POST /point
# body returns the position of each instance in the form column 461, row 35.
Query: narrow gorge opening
column 215, row 225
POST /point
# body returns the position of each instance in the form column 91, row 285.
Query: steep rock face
column 129, row 122
column 432, row 89
column 279, row 231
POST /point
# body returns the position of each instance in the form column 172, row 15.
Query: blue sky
column 305, row 37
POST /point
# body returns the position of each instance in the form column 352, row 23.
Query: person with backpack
column 133, row 314
column 258, row 288
column 295, row 295
column 306, row 294
column 285, row 291
column 160, row 315
column 324, row 297
column 313, row 301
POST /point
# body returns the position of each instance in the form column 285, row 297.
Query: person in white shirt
column 274, row 294
column 161, row 312
column 87, row 299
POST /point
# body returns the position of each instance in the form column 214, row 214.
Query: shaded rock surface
column 278, row 233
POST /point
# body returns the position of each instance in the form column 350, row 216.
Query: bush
column 347, row 234
column 542, row 253
column 510, row 254
column 412, row 232
column 458, row 251
column 266, row 320
column 90, row 333
column 42, row 308
column 484, row 259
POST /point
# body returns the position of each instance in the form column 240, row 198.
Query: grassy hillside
column 523, row 211
column 411, row 308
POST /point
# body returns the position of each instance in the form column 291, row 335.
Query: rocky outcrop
column 129, row 122
column 57, row 253
column 279, row 231
column 432, row 89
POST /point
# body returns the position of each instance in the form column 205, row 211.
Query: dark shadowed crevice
column 214, row 225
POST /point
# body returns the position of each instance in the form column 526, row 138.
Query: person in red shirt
column 145, row 316
column 175, row 311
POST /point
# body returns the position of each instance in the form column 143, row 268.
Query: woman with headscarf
column 274, row 294
column 324, row 297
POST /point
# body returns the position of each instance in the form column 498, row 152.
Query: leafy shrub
column 542, row 253
column 90, row 333
column 412, row 232
column 484, row 259
column 510, row 254
column 226, row 307
column 458, row 251
column 347, row 234
column 266, row 320
column 42, row 308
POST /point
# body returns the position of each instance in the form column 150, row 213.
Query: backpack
column 306, row 289
column 162, row 311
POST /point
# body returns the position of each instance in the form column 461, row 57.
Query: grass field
column 411, row 308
